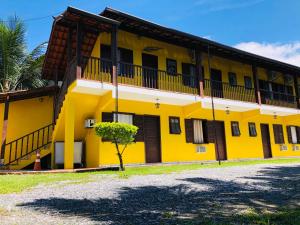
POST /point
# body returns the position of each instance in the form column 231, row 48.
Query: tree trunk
column 122, row 168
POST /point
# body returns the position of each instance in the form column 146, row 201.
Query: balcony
column 96, row 69
column 139, row 76
column 225, row 90
column 278, row 99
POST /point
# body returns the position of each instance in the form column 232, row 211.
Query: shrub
column 120, row 134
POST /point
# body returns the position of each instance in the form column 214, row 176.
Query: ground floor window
column 293, row 133
column 174, row 125
column 235, row 128
column 198, row 131
column 252, row 130
column 278, row 134
column 123, row 118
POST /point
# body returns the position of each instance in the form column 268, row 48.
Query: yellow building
column 193, row 99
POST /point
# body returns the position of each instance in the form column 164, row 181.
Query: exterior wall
column 26, row 116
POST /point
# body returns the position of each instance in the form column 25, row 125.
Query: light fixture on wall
column 275, row 116
column 227, row 111
column 157, row 104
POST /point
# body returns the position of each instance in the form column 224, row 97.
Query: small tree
column 120, row 134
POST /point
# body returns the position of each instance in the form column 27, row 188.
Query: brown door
column 265, row 136
column 152, row 139
column 221, row 153
column 150, row 66
column 216, row 83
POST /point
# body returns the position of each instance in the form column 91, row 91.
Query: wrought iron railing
column 225, row 90
column 27, row 144
column 140, row 76
column 278, row 99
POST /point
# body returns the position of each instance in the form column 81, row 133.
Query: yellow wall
column 26, row 116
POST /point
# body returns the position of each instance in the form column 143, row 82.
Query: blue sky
column 266, row 27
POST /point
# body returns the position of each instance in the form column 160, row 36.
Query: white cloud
column 289, row 53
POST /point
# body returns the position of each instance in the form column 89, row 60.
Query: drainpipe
column 212, row 105
column 114, row 52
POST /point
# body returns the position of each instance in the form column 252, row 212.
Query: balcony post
column 78, row 50
column 114, row 60
column 199, row 73
column 256, row 85
column 4, row 128
column 296, row 91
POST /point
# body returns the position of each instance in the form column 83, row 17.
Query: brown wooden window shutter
column 289, row 134
column 210, row 132
column 278, row 134
column 138, row 120
column 298, row 134
column 189, row 130
column 107, row 117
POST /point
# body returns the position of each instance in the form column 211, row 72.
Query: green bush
column 120, row 134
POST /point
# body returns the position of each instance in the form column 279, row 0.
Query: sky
column 269, row 28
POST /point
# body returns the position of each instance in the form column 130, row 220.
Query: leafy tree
column 120, row 134
column 18, row 68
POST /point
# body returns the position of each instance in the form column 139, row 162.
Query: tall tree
column 19, row 69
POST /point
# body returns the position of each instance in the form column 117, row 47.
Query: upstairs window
column 248, row 82
column 235, row 128
column 171, row 67
column 278, row 134
column 125, row 67
column 189, row 75
column 232, row 79
column 174, row 125
column 252, row 130
column 105, row 65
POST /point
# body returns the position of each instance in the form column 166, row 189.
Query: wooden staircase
column 22, row 151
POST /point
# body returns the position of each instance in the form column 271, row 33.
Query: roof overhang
column 64, row 25
column 28, row 94
column 148, row 29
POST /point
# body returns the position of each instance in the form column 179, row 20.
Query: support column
column 199, row 73
column 69, row 134
column 114, row 55
column 296, row 91
column 78, row 51
column 256, row 85
column 4, row 128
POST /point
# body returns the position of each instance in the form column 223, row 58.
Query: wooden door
column 216, row 83
column 265, row 136
column 221, row 153
column 152, row 139
column 150, row 66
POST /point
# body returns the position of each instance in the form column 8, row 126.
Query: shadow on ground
column 188, row 203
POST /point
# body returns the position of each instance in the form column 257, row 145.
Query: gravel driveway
column 178, row 198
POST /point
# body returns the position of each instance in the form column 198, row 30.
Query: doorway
column 150, row 66
column 265, row 136
column 152, row 139
column 216, row 83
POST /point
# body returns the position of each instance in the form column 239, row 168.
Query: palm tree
column 18, row 68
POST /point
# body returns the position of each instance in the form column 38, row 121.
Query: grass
column 19, row 183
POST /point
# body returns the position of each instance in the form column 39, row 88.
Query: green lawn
column 18, row 183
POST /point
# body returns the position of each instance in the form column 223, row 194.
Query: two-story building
column 192, row 99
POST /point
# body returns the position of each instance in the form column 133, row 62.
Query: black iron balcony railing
column 225, row 90
column 140, row 76
column 99, row 69
column 278, row 99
